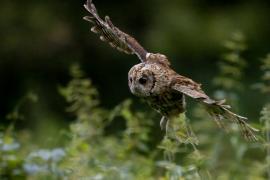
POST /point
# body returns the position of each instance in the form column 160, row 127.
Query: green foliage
column 92, row 154
column 232, row 64
column 84, row 104
column 16, row 113
column 264, row 86
column 229, row 158
column 92, row 150
column 10, row 160
column 265, row 120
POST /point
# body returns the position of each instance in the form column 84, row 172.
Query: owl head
column 148, row 78
column 141, row 80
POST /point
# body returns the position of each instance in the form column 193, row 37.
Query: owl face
column 149, row 79
column 141, row 80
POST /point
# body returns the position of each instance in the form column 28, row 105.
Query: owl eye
column 142, row 80
column 130, row 80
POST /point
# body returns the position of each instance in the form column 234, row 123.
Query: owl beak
column 135, row 90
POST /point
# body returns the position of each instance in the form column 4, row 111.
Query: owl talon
column 167, row 127
column 163, row 123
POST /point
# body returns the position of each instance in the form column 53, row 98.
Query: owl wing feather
column 216, row 109
column 111, row 34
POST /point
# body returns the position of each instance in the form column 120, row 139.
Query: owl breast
column 169, row 103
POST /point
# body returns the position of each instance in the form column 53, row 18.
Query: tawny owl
column 154, row 80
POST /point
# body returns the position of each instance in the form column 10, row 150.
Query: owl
column 157, row 83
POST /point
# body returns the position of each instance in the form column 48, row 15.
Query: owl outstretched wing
column 111, row 34
column 216, row 109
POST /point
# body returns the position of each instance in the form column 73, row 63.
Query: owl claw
column 163, row 123
column 167, row 127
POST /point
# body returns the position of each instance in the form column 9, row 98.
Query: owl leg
column 167, row 126
column 163, row 123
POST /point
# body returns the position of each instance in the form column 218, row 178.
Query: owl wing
column 216, row 109
column 111, row 34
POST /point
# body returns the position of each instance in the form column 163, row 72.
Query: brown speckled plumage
column 160, row 86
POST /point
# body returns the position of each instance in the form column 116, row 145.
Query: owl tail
column 219, row 111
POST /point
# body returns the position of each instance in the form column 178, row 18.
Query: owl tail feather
column 219, row 111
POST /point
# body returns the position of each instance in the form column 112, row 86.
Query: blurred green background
column 40, row 40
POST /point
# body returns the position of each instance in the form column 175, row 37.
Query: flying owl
column 157, row 83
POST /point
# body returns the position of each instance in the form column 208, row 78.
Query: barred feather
column 220, row 112
column 111, row 34
column 217, row 109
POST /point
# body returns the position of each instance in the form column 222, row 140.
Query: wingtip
column 253, row 128
column 250, row 137
column 94, row 29
column 87, row 18
column 89, row 6
column 88, row 2
column 86, row 7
